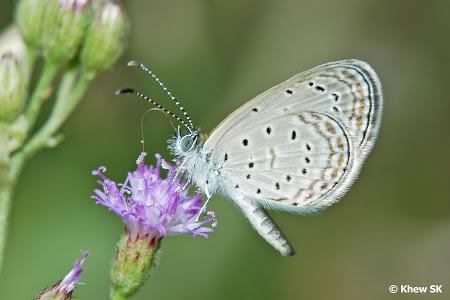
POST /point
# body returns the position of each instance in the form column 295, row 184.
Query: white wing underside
column 300, row 145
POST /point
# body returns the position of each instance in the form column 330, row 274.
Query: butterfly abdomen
column 265, row 226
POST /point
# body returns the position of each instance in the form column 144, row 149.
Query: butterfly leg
column 203, row 209
column 179, row 173
column 265, row 226
column 180, row 170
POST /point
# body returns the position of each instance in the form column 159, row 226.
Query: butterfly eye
column 187, row 143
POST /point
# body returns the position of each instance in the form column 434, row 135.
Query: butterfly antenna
column 142, row 124
column 156, row 104
column 165, row 89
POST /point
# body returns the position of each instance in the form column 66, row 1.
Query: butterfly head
column 186, row 143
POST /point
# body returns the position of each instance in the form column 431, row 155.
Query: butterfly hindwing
column 292, row 163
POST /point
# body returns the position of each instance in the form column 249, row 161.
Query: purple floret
column 63, row 289
column 70, row 281
column 151, row 206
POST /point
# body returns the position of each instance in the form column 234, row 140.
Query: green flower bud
column 132, row 264
column 30, row 19
column 64, row 28
column 12, row 90
column 11, row 42
column 105, row 37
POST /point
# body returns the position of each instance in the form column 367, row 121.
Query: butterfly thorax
column 195, row 163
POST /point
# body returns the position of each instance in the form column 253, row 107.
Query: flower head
column 151, row 206
column 30, row 17
column 105, row 37
column 64, row 27
column 12, row 88
column 63, row 289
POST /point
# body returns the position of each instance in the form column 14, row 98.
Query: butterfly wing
column 300, row 145
column 293, row 162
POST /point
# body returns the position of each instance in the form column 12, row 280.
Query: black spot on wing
column 319, row 88
column 336, row 97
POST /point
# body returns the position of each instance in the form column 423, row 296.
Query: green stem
column 5, row 203
column 30, row 59
column 5, row 189
column 41, row 92
column 67, row 99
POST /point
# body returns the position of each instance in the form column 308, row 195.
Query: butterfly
column 298, row 147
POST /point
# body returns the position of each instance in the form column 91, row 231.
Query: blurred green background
column 393, row 227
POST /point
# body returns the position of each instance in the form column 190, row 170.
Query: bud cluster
column 76, row 39
column 62, row 29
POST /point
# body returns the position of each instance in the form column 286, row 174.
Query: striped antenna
column 156, row 104
column 144, row 68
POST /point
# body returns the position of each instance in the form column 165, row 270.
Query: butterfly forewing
column 348, row 90
column 294, row 145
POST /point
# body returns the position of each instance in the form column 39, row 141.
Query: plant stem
column 5, row 203
column 68, row 97
column 66, row 101
column 5, row 189
column 28, row 64
column 41, row 92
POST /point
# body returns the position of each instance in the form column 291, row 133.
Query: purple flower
column 151, row 206
column 63, row 289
